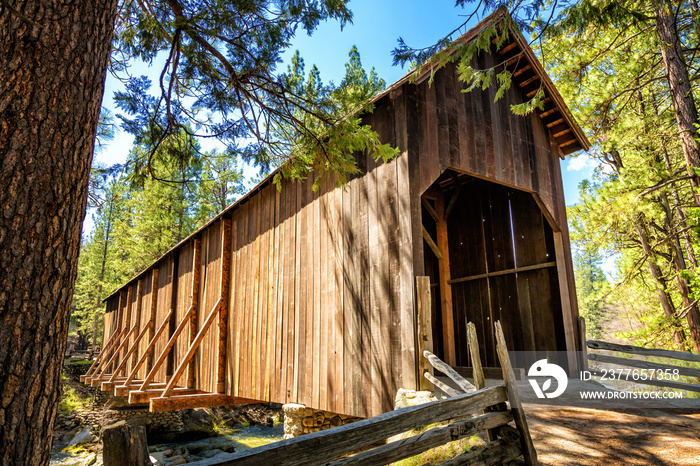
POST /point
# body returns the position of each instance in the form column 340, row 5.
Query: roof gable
column 528, row 74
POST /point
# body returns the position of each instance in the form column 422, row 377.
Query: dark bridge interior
column 500, row 265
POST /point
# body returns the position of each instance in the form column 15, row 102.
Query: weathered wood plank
column 498, row 452
column 446, row 389
column 529, row 452
column 322, row 282
column 448, row 326
column 687, row 371
column 474, row 357
column 337, row 254
column 225, row 287
column 657, row 383
column 432, row 438
column 406, row 308
column 425, row 327
column 439, row 365
column 582, row 343
column 326, row 445
column 196, row 269
column 499, row 273
column 683, row 356
column 196, row 401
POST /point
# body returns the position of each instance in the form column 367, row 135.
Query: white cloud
column 582, row 162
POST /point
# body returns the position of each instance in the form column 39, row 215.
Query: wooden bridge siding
column 163, row 306
column 347, row 258
column 470, row 133
column 146, row 297
column 183, row 301
column 296, row 318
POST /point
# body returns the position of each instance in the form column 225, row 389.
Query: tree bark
column 676, row 252
column 51, row 85
column 681, row 91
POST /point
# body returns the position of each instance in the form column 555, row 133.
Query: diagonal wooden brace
column 133, row 348
column 164, row 354
column 151, row 347
column 114, row 352
column 124, row 341
column 192, row 349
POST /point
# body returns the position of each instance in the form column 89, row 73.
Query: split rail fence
column 471, row 409
column 651, row 368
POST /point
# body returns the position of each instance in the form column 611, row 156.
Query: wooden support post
column 516, row 407
column 196, row 270
column 173, row 305
column 134, row 349
column 448, row 325
column 152, row 319
column 190, row 352
column 565, row 292
column 477, row 368
column 127, row 324
column 166, row 351
column 223, row 306
column 582, row 342
column 151, row 345
column 425, row 329
column 473, row 342
column 454, row 197
column 94, row 332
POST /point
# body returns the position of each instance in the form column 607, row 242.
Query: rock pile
column 298, row 420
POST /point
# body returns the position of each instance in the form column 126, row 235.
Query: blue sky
column 375, row 30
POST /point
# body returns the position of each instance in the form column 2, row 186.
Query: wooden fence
column 648, row 367
column 471, row 409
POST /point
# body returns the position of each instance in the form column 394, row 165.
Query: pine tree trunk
column 51, row 85
column 690, row 308
column 661, row 288
column 681, row 92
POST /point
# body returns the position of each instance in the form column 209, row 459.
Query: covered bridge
column 296, row 296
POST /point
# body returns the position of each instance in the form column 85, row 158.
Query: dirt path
column 579, row 436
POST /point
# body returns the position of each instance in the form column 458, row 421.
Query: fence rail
column 640, row 364
column 471, row 409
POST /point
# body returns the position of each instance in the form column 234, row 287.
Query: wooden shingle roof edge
column 529, row 74
column 574, row 130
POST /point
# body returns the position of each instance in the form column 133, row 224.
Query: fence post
column 516, row 407
column 584, row 346
column 425, row 329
